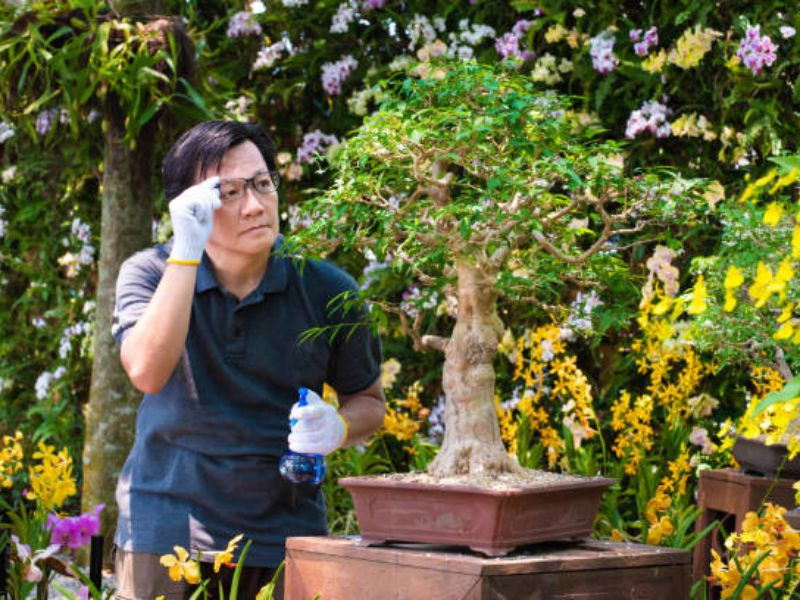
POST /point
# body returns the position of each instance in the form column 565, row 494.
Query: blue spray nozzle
column 301, row 402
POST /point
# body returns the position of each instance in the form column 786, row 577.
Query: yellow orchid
column 655, row 62
column 389, row 370
column 692, row 46
column 181, row 566
column 51, row 479
column 226, row 556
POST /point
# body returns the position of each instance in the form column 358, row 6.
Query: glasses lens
column 263, row 184
column 231, row 190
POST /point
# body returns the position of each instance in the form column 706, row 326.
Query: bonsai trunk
column 472, row 442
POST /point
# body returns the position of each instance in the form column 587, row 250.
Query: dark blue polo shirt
column 203, row 467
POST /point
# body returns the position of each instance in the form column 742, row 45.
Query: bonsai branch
column 436, row 342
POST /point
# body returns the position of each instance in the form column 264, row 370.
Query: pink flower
column 314, row 143
column 756, row 51
column 75, row 532
column 520, row 27
column 601, row 49
column 650, row 118
column 371, row 4
column 508, row 46
column 242, row 24
column 335, row 74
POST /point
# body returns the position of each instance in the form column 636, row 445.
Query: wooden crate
column 342, row 569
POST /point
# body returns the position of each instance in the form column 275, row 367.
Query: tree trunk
column 472, row 442
column 127, row 208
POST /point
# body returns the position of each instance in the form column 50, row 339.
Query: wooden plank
column 652, row 583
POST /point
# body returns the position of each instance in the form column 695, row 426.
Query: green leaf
column 787, row 162
column 788, row 392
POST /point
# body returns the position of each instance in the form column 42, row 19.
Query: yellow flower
column 655, row 62
column 715, row 192
column 733, row 278
column 773, row 214
column 784, row 332
column 663, row 305
column 786, row 313
column 555, row 33
column 796, row 239
column 389, row 370
column 399, row 424
column 730, row 301
column 787, row 179
column 226, row 556
column 657, row 532
column 691, row 47
column 10, row 458
column 699, row 302
column 765, row 284
column 51, row 479
column 181, row 566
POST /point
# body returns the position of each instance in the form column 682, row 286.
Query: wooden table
column 728, row 495
column 339, row 568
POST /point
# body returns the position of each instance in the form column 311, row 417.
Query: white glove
column 317, row 427
column 192, row 215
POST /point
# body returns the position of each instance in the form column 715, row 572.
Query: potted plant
column 479, row 187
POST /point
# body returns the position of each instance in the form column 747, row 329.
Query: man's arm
column 363, row 412
column 151, row 348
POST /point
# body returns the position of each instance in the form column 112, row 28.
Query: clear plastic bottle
column 302, row 468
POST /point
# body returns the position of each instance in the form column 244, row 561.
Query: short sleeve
column 355, row 361
column 137, row 281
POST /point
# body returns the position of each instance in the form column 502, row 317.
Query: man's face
column 249, row 225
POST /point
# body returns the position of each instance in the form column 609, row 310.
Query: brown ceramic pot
column 490, row 521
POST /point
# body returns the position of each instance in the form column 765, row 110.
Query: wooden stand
column 728, row 495
column 342, row 569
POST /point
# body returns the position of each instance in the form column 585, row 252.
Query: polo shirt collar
column 275, row 280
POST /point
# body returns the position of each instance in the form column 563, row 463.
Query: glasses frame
column 249, row 182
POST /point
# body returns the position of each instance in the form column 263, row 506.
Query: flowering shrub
column 763, row 557
column 41, row 540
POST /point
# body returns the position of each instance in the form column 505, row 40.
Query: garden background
column 642, row 369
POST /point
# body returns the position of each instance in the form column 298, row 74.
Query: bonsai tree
column 480, row 187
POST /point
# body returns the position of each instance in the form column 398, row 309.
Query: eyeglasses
column 262, row 183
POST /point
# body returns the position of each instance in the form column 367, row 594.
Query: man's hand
column 192, row 215
column 317, row 427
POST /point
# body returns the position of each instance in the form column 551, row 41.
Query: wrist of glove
column 317, row 427
column 192, row 216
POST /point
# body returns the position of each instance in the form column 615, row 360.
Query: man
column 208, row 327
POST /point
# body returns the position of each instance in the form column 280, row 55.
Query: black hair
column 202, row 147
